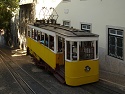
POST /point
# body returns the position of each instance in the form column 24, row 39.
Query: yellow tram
column 70, row 54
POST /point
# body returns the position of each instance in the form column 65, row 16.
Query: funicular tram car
column 70, row 54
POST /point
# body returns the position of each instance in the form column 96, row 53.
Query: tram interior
column 86, row 50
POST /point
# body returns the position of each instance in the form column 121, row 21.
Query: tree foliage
column 7, row 9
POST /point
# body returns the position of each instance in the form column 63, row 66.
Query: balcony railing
column 22, row 2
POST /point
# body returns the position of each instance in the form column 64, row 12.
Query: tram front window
column 86, row 50
column 96, row 49
column 74, row 50
column 71, row 50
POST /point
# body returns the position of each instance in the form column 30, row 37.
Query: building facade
column 102, row 17
column 14, row 30
column 26, row 16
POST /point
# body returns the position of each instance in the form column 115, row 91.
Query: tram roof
column 66, row 31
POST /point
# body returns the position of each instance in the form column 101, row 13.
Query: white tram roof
column 65, row 31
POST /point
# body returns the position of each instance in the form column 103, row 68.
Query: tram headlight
column 87, row 69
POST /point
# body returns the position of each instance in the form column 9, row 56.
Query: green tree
column 7, row 11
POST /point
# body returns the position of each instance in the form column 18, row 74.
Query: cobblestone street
column 47, row 80
column 49, row 83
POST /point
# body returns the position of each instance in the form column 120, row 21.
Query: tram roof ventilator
column 52, row 18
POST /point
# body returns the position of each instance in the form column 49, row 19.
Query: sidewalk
column 114, row 79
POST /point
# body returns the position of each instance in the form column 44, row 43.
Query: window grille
column 86, row 27
column 66, row 0
column 115, row 43
column 66, row 23
column 86, row 50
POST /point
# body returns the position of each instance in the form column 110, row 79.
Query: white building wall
column 45, row 3
column 101, row 14
column 98, row 12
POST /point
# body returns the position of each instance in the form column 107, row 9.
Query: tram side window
column 42, row 38
column 59, row 44
column 51, row 42
column 46, row 40
column 68, row 50
column 86, row 50
column 35, row 35
column 29, row 33
column 38, row 36
column 32, row 34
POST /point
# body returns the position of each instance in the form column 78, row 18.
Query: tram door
column 61, row 48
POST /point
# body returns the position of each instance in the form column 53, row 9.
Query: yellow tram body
column 76, row 72
column 44, row 53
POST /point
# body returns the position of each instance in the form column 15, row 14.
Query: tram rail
column 27, row 83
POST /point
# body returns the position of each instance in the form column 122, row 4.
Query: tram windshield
column 81, row 50
column 72, row 50
column 86, row 50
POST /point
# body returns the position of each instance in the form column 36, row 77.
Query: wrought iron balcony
column 23, row 2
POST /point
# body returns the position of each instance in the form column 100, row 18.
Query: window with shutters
column 115, row 43
column 86, row 27
column 65, row 0
column 66, row 23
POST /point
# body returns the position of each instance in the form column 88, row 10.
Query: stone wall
column 27, row 16
column 111, row 64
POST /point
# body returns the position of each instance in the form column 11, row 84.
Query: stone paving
column 113, row 79
column 106, row 77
